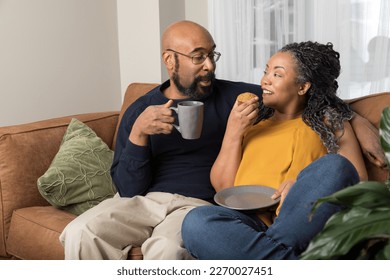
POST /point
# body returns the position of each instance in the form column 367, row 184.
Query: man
column 160, row 177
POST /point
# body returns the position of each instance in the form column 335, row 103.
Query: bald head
column 181, row 42
column 185, row 35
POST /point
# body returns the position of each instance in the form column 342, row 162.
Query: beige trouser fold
column 110, row 229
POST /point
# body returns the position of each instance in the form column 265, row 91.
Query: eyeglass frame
column 204, row 56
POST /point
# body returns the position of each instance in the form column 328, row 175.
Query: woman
column 299, row 147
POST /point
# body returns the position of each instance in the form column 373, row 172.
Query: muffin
column 245, row 97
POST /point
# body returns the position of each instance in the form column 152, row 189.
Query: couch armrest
column 26, row 152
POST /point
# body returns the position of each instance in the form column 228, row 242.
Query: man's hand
column 156, row 119
column 368, row 137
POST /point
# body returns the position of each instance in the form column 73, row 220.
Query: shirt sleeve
column 131, row 168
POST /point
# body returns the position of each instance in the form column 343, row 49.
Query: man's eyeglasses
column 200, row 58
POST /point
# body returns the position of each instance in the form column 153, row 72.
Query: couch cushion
column 34, row 233
column 79, row 175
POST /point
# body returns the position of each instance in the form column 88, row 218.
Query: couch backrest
column 133, row 92
column 371, row 106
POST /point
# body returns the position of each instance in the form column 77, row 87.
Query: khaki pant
column 110, row 229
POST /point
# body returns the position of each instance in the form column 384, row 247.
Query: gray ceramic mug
column 190, row 115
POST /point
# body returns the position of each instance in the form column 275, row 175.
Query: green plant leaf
column 384, row 131
column 348, row 228
column 369, row 194
column 362, row 229
column 384, row 254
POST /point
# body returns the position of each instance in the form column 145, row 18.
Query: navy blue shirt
column 170, row 163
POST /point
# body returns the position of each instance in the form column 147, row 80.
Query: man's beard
column 193, row 90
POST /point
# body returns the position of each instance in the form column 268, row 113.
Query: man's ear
column 304, row 88
column 167, row 58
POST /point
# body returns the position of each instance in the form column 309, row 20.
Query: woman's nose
column 264, row 81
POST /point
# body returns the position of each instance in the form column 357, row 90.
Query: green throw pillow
column 79, row 175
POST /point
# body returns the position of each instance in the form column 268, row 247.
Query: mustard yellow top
column 276, row 151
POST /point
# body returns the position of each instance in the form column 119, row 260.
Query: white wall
column 57, row 57
column 197, row 10
column 139, row 40
column 64, row 57
column 141, row 24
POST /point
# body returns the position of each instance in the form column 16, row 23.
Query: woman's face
column 279, row 83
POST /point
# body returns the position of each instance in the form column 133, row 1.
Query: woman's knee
column 198, row 224
column 343, row 170
column 333, row 167
column 194, row 220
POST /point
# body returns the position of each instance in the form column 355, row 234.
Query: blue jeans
column 214, row 232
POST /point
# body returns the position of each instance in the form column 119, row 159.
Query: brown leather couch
column 29, row 226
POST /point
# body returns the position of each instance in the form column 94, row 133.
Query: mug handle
column 175, row 125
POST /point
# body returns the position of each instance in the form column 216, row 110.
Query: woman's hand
column 242, row 116
column 283, row 190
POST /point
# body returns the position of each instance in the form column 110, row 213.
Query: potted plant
column 362, row 229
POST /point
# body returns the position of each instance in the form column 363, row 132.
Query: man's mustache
column 206, row 78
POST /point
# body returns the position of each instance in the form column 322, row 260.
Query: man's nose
column 209, row 64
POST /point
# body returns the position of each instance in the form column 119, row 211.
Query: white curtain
column 248, row 32
column 232, row 27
